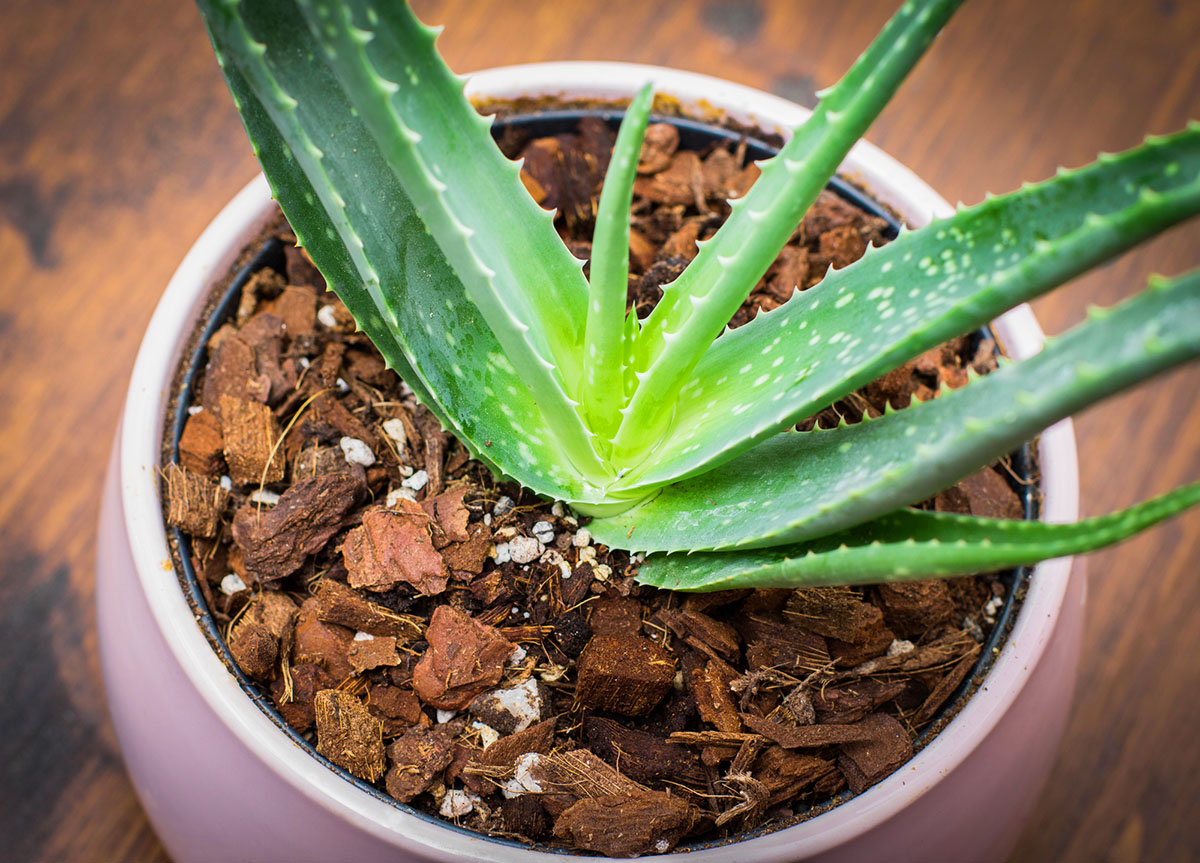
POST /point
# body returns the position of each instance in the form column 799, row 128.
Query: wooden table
column 118, row 143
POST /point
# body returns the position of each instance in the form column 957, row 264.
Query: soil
column 469, row 650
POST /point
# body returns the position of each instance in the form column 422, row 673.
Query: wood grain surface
column 118, row 143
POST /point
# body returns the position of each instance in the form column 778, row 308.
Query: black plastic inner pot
column 693, row 135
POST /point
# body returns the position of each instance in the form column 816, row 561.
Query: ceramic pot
column 220, row 781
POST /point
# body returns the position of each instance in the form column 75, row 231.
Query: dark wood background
column 118, row 143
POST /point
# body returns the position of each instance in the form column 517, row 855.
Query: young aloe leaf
column 909, row 545
column 694, row 309
column 801, row 485
column 914, row 293
column 380, row 259
column 526, row 284
column 604, row 348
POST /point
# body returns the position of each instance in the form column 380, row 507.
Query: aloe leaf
column 801, row 485
column 694, row 309
column 909, row 545
column 524, row 281
column 604, row 348
column 380, row 259
column 914, row 293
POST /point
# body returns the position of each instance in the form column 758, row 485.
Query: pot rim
column 212, row 255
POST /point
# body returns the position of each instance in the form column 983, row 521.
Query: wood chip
column 393, row 546
column 641, row 756
column 418, row 758
column 337, row 603
column 622, row 674
column 881, row 751
column 373, row 652
column 806, row 736
column 277, row 541
column 348, row 735
column 325, row 644
column 465, row 658
column 250, row 432
column 194, row 503
column 201, row 447
column 627, row 826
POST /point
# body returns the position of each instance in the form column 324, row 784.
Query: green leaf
column 694, row 309
column 604, row 345
column 524, row 281
column 916, row 292
column 801, row 485
column 907, row 546
column 380, row 259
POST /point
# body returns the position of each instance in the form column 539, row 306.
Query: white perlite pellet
column 502, row 553
column 326, row 316
column 444, row 716
column 458, row 803
column 356, row 452
column 487, row 734
column 231, row 584
column 524, row 549
column 417, row 481
column 582, row 538
column 544, row 531
column 503, row 505
column 523, row 701
column 557, row 509
column 398, row 494
column 363, row 636
column 518, row 655
column 522, row 781
column 899, row 646
column 394, row 429
column 226, row 483
column 264, row 496
column 195, row 409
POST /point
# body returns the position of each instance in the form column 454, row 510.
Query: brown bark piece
column 229, row 372
column 843, row 705
column 300, row 268
column 451, row 513
column 714, row 698
column 254, row 649
column 641, row 756
column 682, row 243
column 397, row 708
column 325, row 644
column 418, row 758
column 465, row 658
column 703, row 633
column 373, row 652
column 394, row 545
column 337, row 603
column 990, row 496
column 581, row 773
column 250, row 432
column 297, row 307
column 194, row 503
column 840, row 246
column 499, row 759
column 623, row 675
column 943, row 689
column 885, row 747
column 308, row 679
column 806, row 736
column 348, row 735
column 201, row 448
column 674, row 185
column 525, row 815
column 627, row 826
column 659, row 145
column 617, row 616
column 274, row 609
column 785, row 773
column 277, row 541
column 469, row 556
column 913, row 608
column 835, row 612
column 771, row 643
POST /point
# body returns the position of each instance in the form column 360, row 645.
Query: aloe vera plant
column 675, row 434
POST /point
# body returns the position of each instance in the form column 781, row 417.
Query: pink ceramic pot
column 220, row 781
